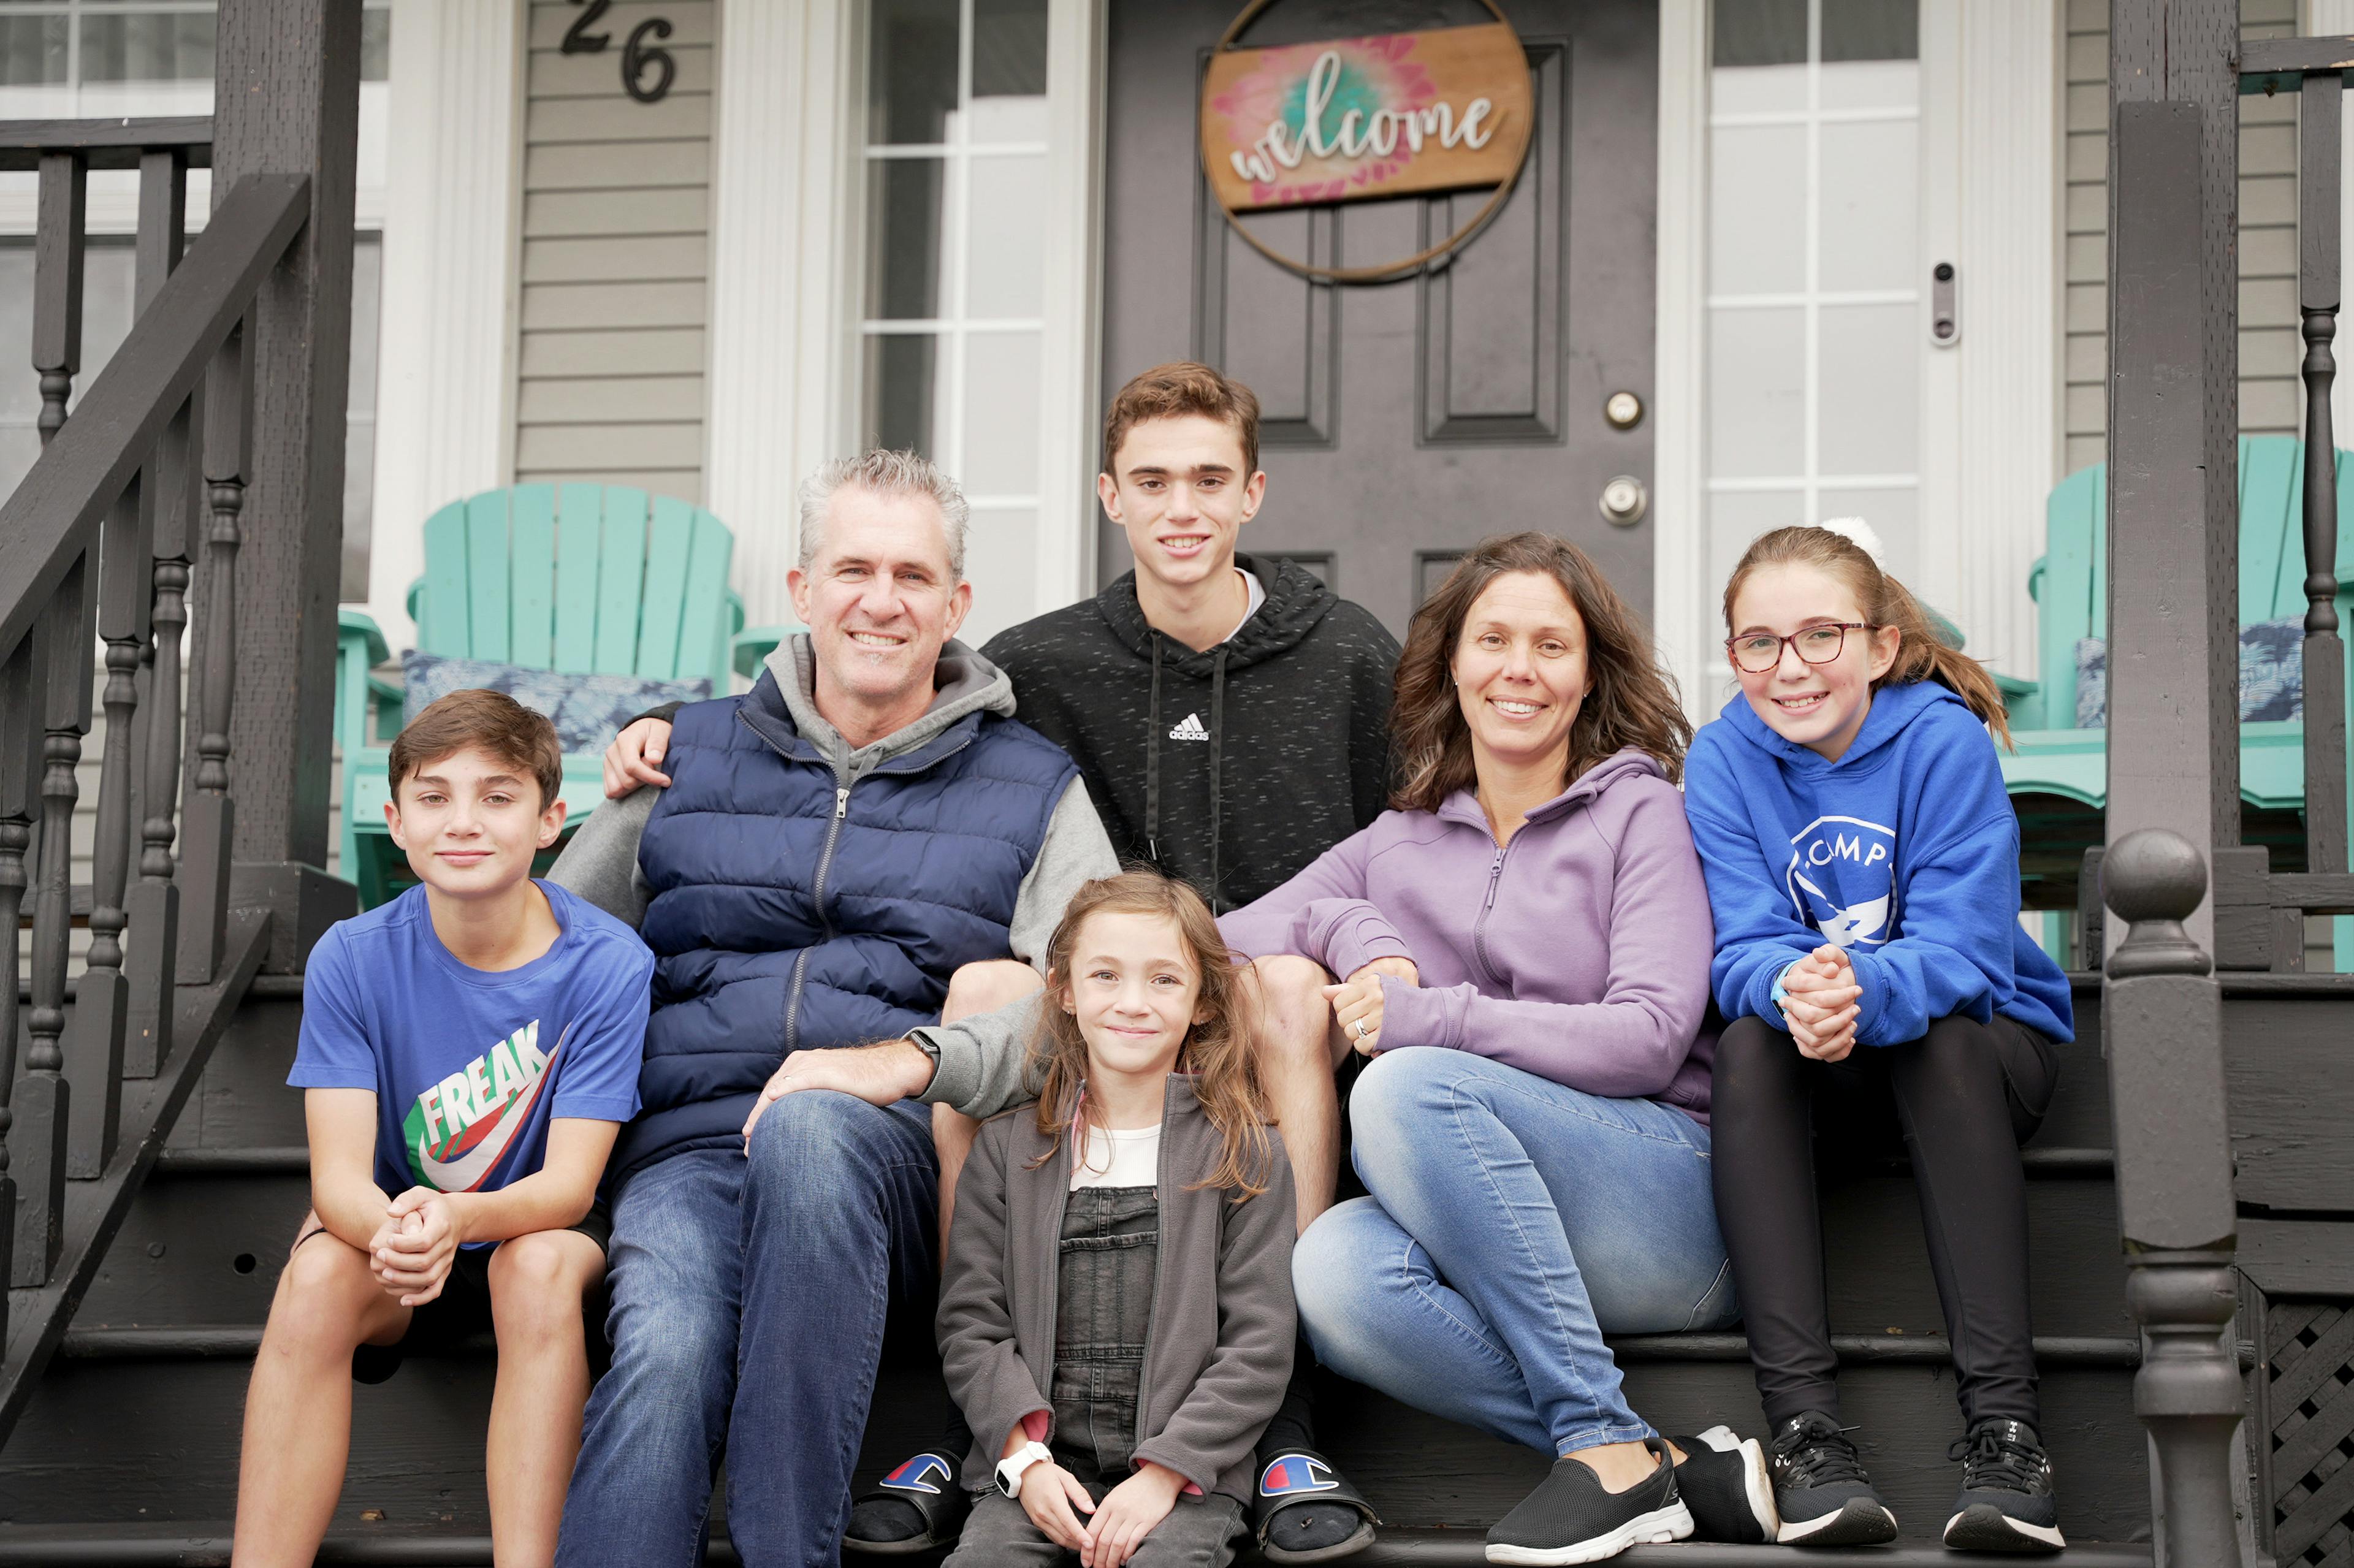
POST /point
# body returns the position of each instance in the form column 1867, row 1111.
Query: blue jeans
column 749, row 1300
column 1512, row 1222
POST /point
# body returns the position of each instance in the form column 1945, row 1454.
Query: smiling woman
column 1522, row 946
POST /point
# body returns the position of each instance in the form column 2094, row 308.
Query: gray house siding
column 616, row 256
column 2269, row 349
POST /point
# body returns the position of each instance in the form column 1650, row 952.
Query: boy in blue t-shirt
column 468, row 1051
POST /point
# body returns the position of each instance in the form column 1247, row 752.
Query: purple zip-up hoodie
column 1578, row 952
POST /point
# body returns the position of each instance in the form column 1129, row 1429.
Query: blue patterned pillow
column 589, row 710
column 2272, row 674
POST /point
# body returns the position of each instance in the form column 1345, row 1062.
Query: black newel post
column 2162, row 1018
column 287, row 94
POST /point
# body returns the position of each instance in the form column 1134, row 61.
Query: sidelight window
column 956, row 184
column 1815, row 333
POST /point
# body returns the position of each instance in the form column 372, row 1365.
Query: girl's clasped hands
column 1821, row 1002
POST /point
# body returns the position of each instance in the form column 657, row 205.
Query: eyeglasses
column 1760, row 652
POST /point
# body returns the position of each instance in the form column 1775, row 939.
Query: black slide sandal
column 1294, row 1478
column 928, row 1484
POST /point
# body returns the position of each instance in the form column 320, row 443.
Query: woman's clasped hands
column 1357, row 1003
column 1821, row 1000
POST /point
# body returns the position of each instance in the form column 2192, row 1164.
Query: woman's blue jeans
column 1512, row 1221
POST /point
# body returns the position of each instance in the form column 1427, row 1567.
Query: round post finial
column 2152, row 879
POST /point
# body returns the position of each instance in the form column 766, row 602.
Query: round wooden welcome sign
column 1365, row 119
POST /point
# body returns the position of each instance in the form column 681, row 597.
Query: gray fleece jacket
column 1219, row 1355
column 600, row 863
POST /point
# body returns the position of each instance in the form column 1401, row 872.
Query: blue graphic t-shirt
column 469, row 1066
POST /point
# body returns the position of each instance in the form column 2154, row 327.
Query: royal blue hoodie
column 1905, row 851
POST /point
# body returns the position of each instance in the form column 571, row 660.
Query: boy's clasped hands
column 1821, row 1000
column 411, row 1251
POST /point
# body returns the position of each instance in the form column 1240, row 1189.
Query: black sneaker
column 1820, row 1488
column 1570, row 1518
column 1725, row 1484
column 2006, row 1503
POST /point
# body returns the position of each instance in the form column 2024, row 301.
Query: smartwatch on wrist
column 1009, row 1471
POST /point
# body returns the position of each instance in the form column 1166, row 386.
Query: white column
column 1990, row 121
column 783, row 269
column 1071, row 356
column 451, row 210
column 1680, row 621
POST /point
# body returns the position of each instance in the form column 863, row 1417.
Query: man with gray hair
column 833, row 846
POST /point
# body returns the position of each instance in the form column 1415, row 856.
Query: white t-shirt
column 1121, row 1157
column 1258, row 597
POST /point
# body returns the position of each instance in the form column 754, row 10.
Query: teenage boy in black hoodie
column 1230, row 715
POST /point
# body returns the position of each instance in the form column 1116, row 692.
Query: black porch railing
column 134, row 500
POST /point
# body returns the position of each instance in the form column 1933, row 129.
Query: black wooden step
column 188, row 1547
column 134, row 1437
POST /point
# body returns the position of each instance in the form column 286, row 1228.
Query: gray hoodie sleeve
column 600, row 863
column 1076, row 851
column 983, row 1058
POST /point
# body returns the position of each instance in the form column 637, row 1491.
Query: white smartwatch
column 1009, row 1471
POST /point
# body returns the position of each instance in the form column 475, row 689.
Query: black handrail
column 105, row 144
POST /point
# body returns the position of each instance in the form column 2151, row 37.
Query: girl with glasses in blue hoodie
column 1863, row 867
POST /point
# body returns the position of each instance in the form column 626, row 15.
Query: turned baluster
column 44, row 1100
column 21, row 685
column 155, row 909
column 58, row 247
column 94, row 1054
column 210, row 813
column 2162, row 1022
column 2321, row 105
column 163, row 221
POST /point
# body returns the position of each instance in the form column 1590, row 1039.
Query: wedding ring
column 1360, row 1027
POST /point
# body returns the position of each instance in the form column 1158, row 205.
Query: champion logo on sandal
column 916, row 1474
column 1297, row 1473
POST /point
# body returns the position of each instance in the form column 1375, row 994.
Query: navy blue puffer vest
column 786, row 915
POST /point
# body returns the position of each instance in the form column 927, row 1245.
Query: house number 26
column 638, row 58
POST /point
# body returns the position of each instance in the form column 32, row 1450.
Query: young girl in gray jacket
column 1116, row 1317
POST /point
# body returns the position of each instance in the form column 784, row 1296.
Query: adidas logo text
column 1189, row 728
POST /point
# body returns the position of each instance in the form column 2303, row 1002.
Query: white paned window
column 1815, row 334
column 956, row 183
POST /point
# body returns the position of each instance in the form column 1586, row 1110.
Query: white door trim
column 1071, row 356
column 445, row 374
column 1680, row 623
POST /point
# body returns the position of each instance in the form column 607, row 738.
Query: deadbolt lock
column 1624, row 501
column 1623, row 410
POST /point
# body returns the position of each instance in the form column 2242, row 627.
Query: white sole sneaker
column 1859, row 1523
column 1985, row 1528
column 1673, row 1523
column 1756, row 1481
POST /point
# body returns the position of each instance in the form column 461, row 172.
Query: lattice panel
column 2309, row 1367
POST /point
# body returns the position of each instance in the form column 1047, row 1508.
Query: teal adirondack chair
column 2070, row 585
column 585, row 579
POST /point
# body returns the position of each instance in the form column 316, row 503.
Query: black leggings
column 1967, row 1095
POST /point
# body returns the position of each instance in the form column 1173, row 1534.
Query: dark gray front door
column 1405, row 422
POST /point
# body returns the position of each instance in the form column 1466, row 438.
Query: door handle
column 1624, row 501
